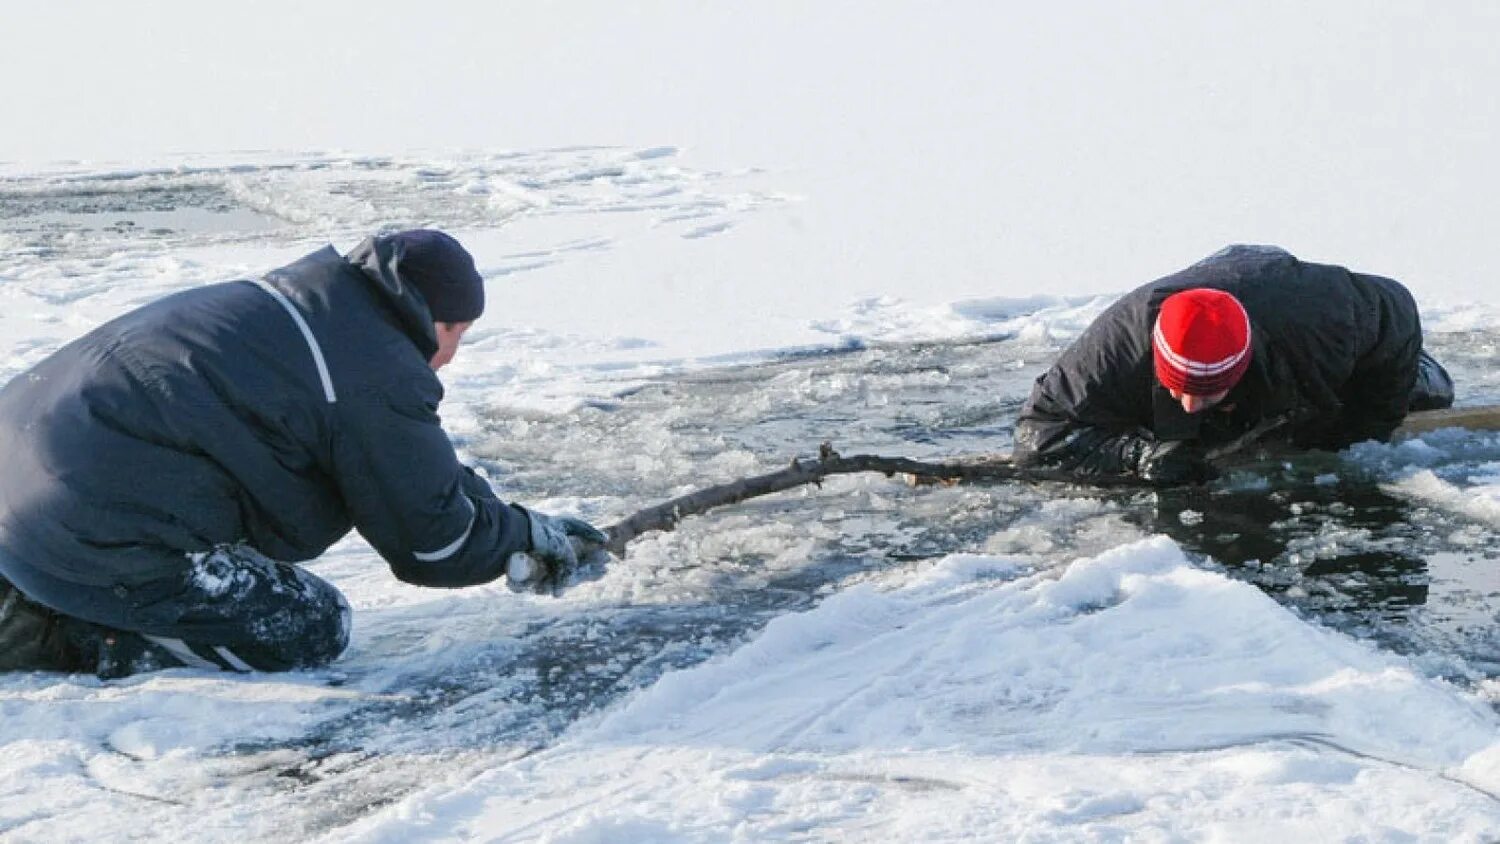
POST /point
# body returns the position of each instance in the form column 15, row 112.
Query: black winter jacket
column 279, row 412
column 1333, row 350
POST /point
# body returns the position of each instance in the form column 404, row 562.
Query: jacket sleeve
column 1089, row 414
column 433, row 520
column 1054, row 441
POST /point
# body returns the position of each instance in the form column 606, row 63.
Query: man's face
column 1197, row 404
column 448, row 335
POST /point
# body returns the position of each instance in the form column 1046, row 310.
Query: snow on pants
column 237, row 610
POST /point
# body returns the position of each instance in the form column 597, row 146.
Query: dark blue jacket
column 279, row 412
column 1333, row 350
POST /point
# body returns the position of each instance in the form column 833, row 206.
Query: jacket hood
column 379, row 259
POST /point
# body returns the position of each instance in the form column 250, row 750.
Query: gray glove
column 562, row 547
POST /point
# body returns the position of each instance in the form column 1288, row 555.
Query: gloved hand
column 1097, row 453
column 561, row 546
column 1175, row 462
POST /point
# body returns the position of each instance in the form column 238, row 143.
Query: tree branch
column 666, row 515
column 992, row 467
column 1482, row 418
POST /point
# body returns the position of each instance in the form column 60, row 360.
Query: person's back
column 165, row 428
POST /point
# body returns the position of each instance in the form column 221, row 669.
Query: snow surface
column 985, row 147
column 1131, row 696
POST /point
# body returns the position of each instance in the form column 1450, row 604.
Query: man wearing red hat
column 1242, row 338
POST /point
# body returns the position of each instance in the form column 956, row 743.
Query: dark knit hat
column 1201, row 342
column 444, row 272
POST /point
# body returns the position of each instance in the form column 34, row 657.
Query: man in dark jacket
column 160, row 476
column 1248, row 339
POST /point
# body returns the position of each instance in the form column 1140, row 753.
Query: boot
column 121, row 654
column 34, row 638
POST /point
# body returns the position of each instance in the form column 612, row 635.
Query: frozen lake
column 1307, row 641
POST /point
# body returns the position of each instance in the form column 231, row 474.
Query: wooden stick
column 989, row 467
column 1484, row 418
column 666, row 515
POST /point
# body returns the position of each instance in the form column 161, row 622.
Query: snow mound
column 1129, row 694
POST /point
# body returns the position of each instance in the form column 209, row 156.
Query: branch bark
column 666, row 515
column 1483, row 418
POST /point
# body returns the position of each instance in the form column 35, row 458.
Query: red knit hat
column 1201, row 342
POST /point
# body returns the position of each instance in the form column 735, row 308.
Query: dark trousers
column 231, row 609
